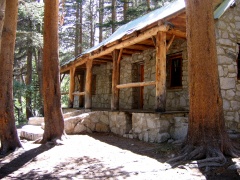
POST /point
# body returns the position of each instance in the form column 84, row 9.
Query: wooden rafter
column 170, row 42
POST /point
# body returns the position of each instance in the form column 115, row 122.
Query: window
column 238, row 63
column 175, row 65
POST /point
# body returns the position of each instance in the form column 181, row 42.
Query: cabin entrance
column 138, row 92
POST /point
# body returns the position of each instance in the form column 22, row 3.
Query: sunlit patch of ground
column 100, row 156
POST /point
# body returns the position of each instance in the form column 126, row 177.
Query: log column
column 115, row 80
column 160, row 104
column 81, row 98
column 72, row 86
column 88, row 84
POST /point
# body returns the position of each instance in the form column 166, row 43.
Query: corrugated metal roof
column 150, row 18
column 222, row 8
column 142, row 22
column 138, row 24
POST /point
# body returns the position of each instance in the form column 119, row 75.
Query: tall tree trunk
column 77, row 29
column 148, row 6
column 8, row 132
column 38, row 62
column 113, row 15
column 28, row 83
column 207, row 138
column 80, row 28
column 53, row 118
column 101, row 6
column 2, row 16
column 125, row 9
column 91, row 24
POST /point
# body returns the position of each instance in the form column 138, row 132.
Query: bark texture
column 207, row 138
column 2, row 16
column 54, row 125
column 8, row 132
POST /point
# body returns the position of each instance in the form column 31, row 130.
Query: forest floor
column 105, row 156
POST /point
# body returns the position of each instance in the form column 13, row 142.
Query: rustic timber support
column 64, row 93
column 115, row 79
column 170, row 42
column 88, row 84
column 134, row 40
column 72, row 86
column 81, row 98
column 137, row 84
column 79, row 93
column 160, row 103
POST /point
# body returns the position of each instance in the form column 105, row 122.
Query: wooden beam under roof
column 132, row 41
column 130, row 51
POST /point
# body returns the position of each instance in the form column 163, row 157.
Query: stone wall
column 149, row 127
column 118, row 123
column 228, row 35
column 152, row 127
column 177, row 99
column 101, row 98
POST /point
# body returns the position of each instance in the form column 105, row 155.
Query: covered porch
column 155, row 32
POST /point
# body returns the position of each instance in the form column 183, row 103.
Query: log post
column 88, row 84
column 115, row 80
column 160, row 105
column 72, row 86
column 81, row 98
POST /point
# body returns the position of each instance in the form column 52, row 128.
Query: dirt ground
column 105, row 156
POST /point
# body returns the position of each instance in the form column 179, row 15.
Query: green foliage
column 65, row 88
column 19, row 90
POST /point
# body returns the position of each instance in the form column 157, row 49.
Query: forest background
column 82, row 24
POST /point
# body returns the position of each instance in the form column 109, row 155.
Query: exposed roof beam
column 131, row 41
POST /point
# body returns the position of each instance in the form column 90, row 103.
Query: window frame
column 170, row 59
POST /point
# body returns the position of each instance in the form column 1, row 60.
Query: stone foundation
column 149, row 127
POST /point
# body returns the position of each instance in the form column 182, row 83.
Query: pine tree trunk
column 207, row 138
column 38, row 62
column 53, row 118
column 80, row 29
column 113, row 15
column 2, row 16
column 101, row 6
column 206, row 121
column 77, row 29
column 28, row 83
column 8, row 132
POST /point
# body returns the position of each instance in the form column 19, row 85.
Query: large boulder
column 31, row 132
column 36, row 121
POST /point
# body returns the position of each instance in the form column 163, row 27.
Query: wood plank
column 160, row 102
column 78, row 93
column 170, row 42
column 88, row 93
column 136, row 84
column 64, row 93
column 177, row 33
column 115, row 80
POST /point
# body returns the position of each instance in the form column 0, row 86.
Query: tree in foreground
column 8, row 132
column 2, row 16
column 207, row 138
column 53, row 118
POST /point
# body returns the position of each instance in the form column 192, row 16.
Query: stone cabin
column 118, row 77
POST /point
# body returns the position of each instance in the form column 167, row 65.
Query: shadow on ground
column 21, row 160
column 82, row 168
